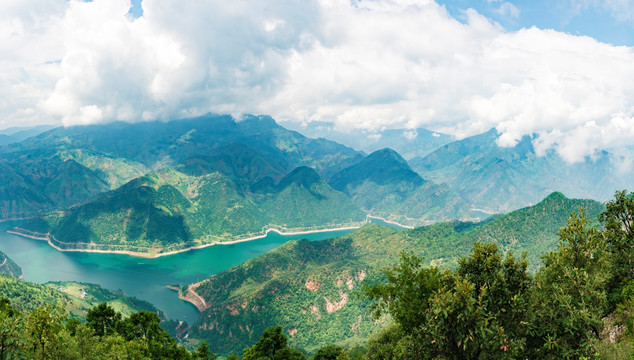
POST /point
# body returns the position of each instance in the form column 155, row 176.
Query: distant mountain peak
column 303, row 175
column 387, row 155
column 381, row 167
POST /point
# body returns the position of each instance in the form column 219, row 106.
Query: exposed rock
column 612, row 331
column 350, row 283
column 234, row 311
column 361, row 275
column 332, row 307
column 355, row 327
column 292, row 331
column 311, row 285
column 315, row 311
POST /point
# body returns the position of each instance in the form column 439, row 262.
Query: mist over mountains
column 258, row 160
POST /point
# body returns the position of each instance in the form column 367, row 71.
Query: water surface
column 145, row 279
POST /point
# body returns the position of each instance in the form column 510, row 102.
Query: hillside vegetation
column 169, row 210
column 72, row 297
column 384, row 185
column 499, row 179
column 9, row 268
column 309, row 287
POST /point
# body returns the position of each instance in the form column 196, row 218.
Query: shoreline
column 148, row 255
column 390, row 222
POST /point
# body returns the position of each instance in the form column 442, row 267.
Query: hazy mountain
column 15, row 134
column 308, row 287
column 409, row 143
column 496, row 179
column 384, row 185
column 96, row 158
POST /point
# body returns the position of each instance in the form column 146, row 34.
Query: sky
column 559, row 70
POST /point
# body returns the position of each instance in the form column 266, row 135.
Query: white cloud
column 508, row 9
column 363, row 64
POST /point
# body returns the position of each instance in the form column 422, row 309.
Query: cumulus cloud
column 359, row 64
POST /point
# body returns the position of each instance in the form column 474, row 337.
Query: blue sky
column 605, row 20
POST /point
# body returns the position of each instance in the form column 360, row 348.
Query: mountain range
column 153, row 187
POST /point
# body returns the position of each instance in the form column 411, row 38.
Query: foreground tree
column 272, row 346
column 618, row 221
column 475, row 312
column 480, row 313
column 103, row 319
column 569, row 296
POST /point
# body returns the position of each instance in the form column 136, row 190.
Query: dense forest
column 577, row 305
column 309, row 287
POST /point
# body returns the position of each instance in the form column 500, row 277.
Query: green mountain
column 170, row 210
column 494, row 179
column 309, row 287
column 409, row 143
column 384, row 185
column 72, row 297
column 15, row 134
column 94, row 159
column 9, row 268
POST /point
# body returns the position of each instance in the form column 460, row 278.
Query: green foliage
column 406, row 289
column 384, row 185
column 480, row 313
column 69, row 166
column 298, row 284
column 618, row 221
column 490, row 308
column 272, row 346
column 45, row 333
column 168, row 210
column 8, row 267
column 329, row 352
column 569, row 297
column 103, row 319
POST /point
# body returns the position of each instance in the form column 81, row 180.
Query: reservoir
column 145, row 279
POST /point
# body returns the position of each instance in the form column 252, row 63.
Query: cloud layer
column 359, row 64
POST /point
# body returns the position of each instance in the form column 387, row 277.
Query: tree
column 103, row 319
column 272, row 345
column 569, row 297
column 43, row 326
column 203, row 352
column 405, row 292
column 11, row 327
column 481, row 311
column 618, row 221
column 143, row 326
column 329, row 352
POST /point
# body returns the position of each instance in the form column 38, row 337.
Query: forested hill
column 170, row 210
column 308, row 287
column 8, row 267
column 498, row 179
column 68, row 166
column 384, row 185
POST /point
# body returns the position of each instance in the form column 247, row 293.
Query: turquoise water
column 145, row 279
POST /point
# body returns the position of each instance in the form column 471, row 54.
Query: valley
column 143, row 278
column 236, row 227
